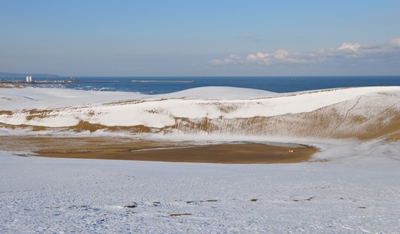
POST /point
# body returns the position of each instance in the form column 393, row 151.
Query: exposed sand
column 12, row 85
column 166, row 151
column 363, row 118
column 393, row 137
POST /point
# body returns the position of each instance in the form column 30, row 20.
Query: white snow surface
column 69, row 107
column 348, row 187
column 45, row 98
column 357, row 192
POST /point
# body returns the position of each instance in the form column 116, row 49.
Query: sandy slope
column 350, row 186
column 363, row 113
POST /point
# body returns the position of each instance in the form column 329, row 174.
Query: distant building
column 28, row 78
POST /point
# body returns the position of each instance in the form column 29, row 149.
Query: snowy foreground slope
column 351, row 186
column 46, row 195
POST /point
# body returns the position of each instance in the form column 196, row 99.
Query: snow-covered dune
column 364, row 113
column 347, row 187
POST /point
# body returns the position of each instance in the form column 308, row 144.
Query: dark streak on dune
column 6, row 112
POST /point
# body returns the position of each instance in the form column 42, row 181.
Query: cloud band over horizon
column 366, row 53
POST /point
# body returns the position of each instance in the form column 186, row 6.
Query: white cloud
column 260, row 58
column 349, row 46
column 279, row 56
column 232, row 59
column 395, row 42
column 366, row 53
column 286, row 56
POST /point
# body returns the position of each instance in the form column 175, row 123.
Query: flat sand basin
column 165, row 151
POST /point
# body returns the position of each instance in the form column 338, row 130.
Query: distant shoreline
column 9, row 75
column 34, row 82
column 71, row 80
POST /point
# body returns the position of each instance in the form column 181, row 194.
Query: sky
column 200, row 38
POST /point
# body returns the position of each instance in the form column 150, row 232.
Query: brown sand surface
column 393, row 137
column 166, row 151
column 347, row 120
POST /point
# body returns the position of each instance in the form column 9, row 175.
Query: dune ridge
column 363, row 113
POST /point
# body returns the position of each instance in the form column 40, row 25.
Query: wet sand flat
column 163, row 151
column 223, row 153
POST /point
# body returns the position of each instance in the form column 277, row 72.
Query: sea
column 160, row 85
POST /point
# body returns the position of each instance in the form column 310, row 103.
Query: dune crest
column 362, row 113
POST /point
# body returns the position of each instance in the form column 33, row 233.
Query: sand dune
column 340, row 186
column 363, row 113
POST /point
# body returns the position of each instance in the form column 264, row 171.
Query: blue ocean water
column 159, row 85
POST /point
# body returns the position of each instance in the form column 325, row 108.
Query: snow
column 351, row 186
column 45, row 98
column 225, row 93
column 68, row 107
column 89, row 196
column 42, row 98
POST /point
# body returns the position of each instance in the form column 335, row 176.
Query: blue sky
column 200, row 38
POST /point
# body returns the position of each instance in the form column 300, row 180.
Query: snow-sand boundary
column 363, row 113
column 352, row 113
column 355, row 190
